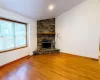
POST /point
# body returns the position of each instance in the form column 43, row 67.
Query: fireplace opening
column 46, row 45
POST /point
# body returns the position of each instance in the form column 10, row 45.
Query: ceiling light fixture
column 51, row 7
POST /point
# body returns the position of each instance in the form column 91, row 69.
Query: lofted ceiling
column 38, row 9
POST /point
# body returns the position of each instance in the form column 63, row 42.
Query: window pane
column 20, row 41
column 20, row 34
column 6, row 43
column 6, row 35
column 9, row 42
column 20, row 29
column 6, row 28
column 1, row 43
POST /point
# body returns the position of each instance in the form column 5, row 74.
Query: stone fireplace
column 46, row 35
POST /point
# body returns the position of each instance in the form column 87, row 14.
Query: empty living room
column 49, row 39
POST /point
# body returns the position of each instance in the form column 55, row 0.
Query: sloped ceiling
column 38, row 9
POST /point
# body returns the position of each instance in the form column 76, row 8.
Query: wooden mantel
column 46, row 33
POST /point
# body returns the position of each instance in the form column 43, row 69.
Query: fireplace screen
column 46, row 45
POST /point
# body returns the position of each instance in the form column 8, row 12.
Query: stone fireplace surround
column 46, row 35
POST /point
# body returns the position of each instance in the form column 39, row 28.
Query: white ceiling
column 38, row 9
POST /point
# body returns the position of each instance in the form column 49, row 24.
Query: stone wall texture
column 46, row 26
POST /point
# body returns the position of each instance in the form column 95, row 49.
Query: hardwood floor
column 52, row 67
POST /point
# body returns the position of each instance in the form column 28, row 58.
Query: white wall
column 32, row 38
column 79, row 29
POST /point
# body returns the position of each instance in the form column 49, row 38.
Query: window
column 13, row 35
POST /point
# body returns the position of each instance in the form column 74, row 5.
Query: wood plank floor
column 52, row 67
